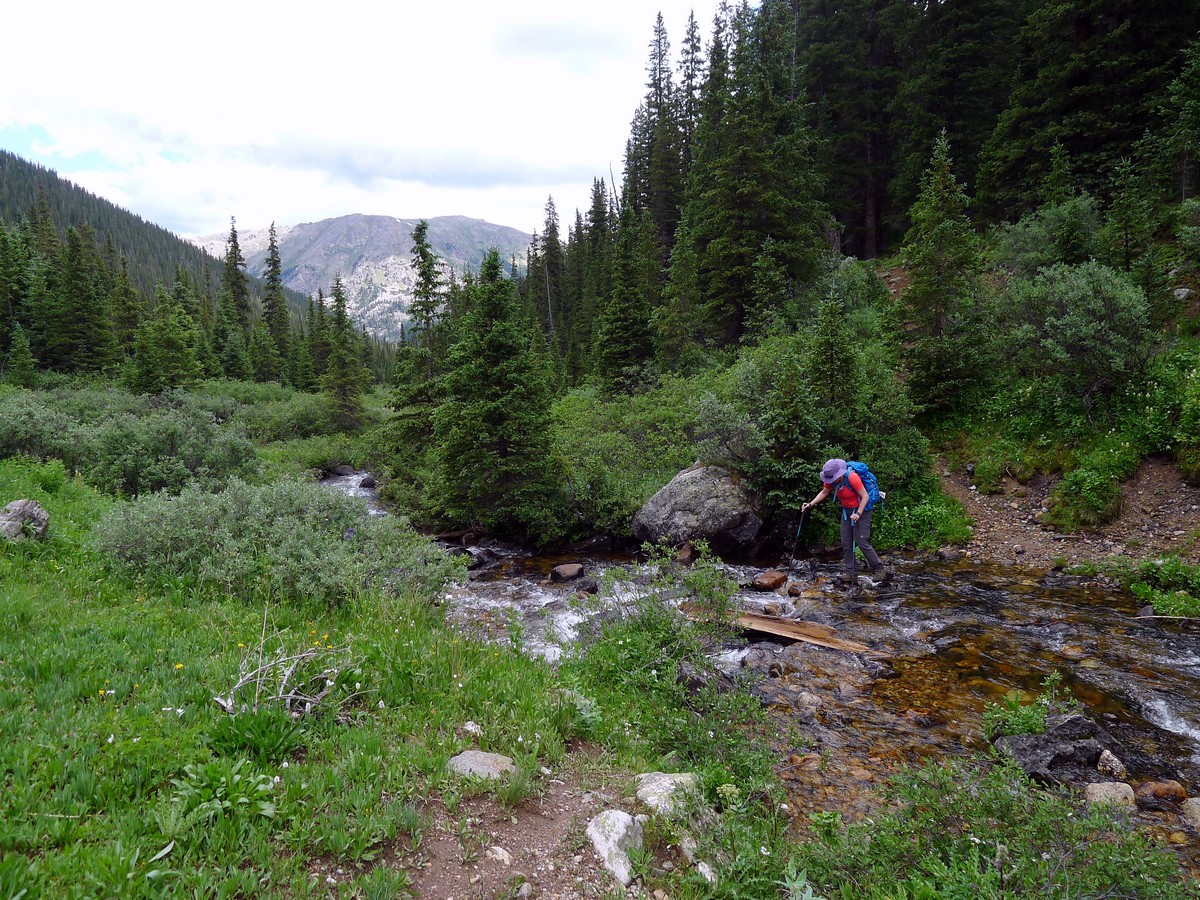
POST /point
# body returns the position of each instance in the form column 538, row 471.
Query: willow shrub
column 294, row 539
column 618, row 451
column 123, row 444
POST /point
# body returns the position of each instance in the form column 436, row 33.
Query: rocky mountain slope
column 373, row 256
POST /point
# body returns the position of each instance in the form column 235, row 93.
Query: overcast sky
column 290, row 112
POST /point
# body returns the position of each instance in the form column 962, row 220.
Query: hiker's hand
column 805, row 507
column 853, row 517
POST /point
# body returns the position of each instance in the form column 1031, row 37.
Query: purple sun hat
column 833, row 470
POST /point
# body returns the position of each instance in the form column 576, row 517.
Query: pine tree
column 623, row 329
column 265, row 362
column 164, row 354
column 275, row 311
column 127, row 309
column 850, row 76
column 80, row 331
column 493, row 427
column 345, row 377
column 1091, row 77
column 19, row 368
column 233, row 278
column 942, row 257
column 426, row 304
column 754, row 179
column 956, row 61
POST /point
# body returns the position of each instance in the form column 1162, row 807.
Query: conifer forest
column 956, row 240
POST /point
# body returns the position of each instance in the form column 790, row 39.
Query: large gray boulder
column 700, row 503
column 22, row 519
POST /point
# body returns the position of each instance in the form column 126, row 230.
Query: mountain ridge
column 373, row 256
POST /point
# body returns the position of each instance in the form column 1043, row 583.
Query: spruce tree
column 164, row 353
column 19, row 368
column 233, row 278
column 275, row 310
column 942, row 257
column 493, row 426
column 427, row 290
column 345, row 378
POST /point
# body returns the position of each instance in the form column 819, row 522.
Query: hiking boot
column 883, row 574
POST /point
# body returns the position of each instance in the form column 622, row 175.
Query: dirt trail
column 1160, row 514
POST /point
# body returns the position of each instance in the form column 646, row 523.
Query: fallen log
column 795, row 629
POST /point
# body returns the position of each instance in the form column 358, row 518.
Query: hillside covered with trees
column 922, row 235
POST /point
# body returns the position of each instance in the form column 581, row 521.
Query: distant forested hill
column 153, row 252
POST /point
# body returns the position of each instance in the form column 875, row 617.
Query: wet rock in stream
column 1066, row 753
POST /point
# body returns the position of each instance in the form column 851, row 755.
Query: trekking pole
column 796, row 540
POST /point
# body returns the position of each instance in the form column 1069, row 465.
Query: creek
column 952, row 637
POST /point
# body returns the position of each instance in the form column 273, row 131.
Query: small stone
column 771, row 580
column 501, row 856
column 1115, row 792
column 1190, row 810
column 525, row 891
column 1159, row 794
column 1177, row 838
column 1109, row 765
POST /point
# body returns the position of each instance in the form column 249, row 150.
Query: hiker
column 851, row 489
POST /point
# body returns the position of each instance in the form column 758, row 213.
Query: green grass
column 123, row 777
column 114, row 749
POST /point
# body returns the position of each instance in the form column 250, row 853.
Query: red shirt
column 848, row 496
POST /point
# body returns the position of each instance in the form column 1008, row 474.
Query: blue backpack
column 868, row 480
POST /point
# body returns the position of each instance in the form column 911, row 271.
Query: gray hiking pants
column 859, row 533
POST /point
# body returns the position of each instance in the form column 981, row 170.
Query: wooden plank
column 795, row 629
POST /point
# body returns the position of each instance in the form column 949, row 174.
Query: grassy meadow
column 206, row 686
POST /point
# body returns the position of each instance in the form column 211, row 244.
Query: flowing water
column 952, row 637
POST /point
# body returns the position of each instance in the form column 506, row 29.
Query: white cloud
column 291, row 112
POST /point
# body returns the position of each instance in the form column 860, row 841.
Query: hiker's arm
column 817, row 499
column 863, row 497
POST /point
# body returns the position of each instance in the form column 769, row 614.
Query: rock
column 566, row 572
column 525, row 891
column 613, row 834
column 501, row 856
column 687, row 554
column 1109, row 792
column 1067, row 752
column 23, row 519
column 703, row 502
column 771, row 580
column 921, row 717
column 1183, row 294
column 342, row 470
column 588, row 585
column 695, row 680
column 489, row 766
column 1111, row 766
column 1190, row 810
column 948, row 555
column 666, row 792
column 367, row 482
column 1159, row 794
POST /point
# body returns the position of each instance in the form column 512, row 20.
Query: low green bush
column 1090, row 494
column 1014, row 716
column 1171, row 585
column 163, row 451
column 979, row 828
column 124, row 444
column 292, row 539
